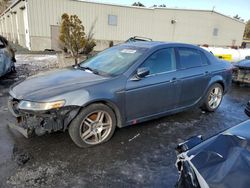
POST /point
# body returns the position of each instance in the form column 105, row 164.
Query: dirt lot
column 138, row 156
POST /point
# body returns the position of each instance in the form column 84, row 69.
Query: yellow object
column 227, row 57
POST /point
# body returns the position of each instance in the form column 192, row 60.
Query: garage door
column 55, row 33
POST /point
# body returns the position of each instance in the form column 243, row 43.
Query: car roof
column 153, row 44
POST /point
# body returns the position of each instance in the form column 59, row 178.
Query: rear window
column 190, row 58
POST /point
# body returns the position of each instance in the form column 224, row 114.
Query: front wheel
column 94, row 125
column 213, row 98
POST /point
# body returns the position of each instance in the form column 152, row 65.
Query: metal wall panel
column 190, row 26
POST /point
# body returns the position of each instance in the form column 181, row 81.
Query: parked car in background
column 123, row 85
column 221, row 161
column 241, row 72
column 7, row 57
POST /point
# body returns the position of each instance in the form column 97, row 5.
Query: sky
column 227, row 7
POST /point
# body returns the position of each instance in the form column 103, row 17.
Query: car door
column 158, row 91
column 195, row 75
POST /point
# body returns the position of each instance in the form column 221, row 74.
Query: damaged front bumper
column 40, row 122
column 241, row 75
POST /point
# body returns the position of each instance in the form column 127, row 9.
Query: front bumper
column 241, row 75
column 41, row 122
column 247, row 110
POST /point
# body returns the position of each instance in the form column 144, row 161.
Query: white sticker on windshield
column 128, row 51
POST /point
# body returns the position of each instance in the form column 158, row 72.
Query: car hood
column 244, row 64
column 52, row 83
column 222, row 160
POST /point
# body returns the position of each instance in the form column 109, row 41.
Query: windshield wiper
column 88, row 68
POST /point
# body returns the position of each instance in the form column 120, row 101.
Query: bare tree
column 237, row 17
column 4, row 4
column 162, row 5
column 90, row 42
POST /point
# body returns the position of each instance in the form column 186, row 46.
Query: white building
column 35, row 23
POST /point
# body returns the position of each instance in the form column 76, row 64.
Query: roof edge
column 128, row 6
column 153, row 8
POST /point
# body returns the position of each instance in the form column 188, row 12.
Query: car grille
column 241, row 75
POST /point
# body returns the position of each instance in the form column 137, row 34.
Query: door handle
column 174, row 80
column 207, row 73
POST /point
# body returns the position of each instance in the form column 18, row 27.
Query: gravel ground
column 137, row 156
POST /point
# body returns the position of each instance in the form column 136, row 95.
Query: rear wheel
column 94, row 125
column 213, row 98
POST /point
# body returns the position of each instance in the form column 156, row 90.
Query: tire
column 94, row 125
column 208, row 104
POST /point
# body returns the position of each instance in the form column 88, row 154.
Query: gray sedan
column 120, row 86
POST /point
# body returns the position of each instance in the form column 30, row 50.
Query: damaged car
column 124, row 85
column 7, row 57
column 241, row 73
column 221, row 161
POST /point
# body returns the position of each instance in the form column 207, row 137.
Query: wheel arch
column 111, row 105
column 222, row 84
column 205, row 102
column 219, row 80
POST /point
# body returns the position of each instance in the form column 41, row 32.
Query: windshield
column 113, row 61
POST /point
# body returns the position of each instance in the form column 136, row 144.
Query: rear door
column 157, row 92
column 195, row 75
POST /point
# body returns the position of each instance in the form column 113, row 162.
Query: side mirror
column 142, row 72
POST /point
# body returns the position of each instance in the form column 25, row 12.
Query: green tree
column 72, row 35
column 247, row 30
column 138, row 4
column 163, row 5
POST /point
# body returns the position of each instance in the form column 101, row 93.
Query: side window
column 161, row 61
column 190, row 58
column 204, row 59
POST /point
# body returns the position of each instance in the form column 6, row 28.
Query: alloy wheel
column 95, row 127
column 215, row 97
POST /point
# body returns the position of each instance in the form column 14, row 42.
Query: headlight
column 28, row 105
